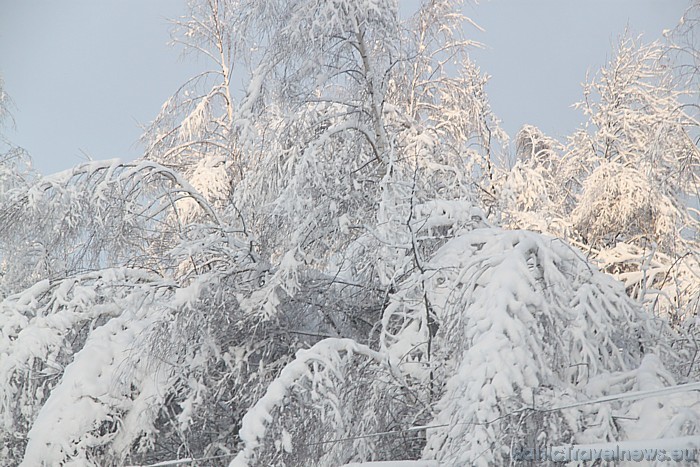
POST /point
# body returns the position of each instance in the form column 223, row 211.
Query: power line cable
column 635, row 395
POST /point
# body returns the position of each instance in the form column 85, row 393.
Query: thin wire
column 613, row 397
column 631, row 396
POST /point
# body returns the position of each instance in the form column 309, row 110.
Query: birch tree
column 624, row 186
column 193, row 131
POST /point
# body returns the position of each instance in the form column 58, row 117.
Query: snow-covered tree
column 347, row 122
column 638, row 124
column 624, row 186
column 15, row 172
column 192, row 132
column 684, row 47
column 531, row 194
column 643, row 179
column 524, row 324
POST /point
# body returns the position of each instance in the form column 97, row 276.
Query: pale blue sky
column 84, row 74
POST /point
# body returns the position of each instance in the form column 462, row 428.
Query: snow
column 90, row 391
column 503, row 286
column 180, row 307
column 254, row 423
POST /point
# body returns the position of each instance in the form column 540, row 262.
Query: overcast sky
column 85, row 74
